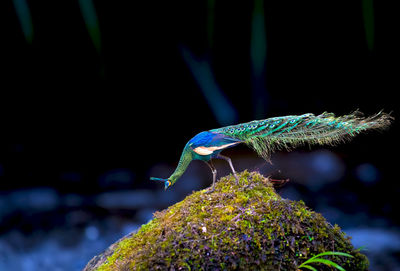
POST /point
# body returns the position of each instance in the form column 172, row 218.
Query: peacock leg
column 226, row 158
column 214, row 172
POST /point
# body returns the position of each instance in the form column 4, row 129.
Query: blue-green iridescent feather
column 267, row 135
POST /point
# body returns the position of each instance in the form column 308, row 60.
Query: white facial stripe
column 210, row 150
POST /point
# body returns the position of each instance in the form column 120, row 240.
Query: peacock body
column 268, row 135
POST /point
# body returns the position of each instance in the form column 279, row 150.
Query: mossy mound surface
column 245, row 227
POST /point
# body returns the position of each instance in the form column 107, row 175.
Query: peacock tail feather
column 268, row 135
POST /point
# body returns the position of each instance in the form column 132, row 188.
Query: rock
column 245, row 227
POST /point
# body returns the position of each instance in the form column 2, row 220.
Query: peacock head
column 167, row 182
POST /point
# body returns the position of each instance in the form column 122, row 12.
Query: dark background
column 96, row 96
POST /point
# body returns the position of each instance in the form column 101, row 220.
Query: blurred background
column 97, row 96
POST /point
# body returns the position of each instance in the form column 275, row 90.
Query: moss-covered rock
column 245, row 227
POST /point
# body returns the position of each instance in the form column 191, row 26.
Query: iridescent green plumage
column 288, row 132
column 267, row 135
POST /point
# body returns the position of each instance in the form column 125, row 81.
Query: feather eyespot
column 272, row 126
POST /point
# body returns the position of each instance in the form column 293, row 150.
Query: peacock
column 277, row 133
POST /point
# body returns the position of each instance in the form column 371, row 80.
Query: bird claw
column 237, row 179
column 210, row 190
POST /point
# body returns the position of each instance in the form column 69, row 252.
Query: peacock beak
column 167, row 184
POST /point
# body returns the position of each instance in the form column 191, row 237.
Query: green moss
column 246, row 227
